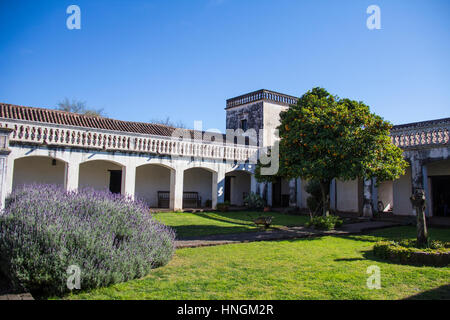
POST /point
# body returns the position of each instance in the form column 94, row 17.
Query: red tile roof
column 9, row 111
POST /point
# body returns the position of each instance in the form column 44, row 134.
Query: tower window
column 244, row 124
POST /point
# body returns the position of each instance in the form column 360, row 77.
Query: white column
column 3, row 173
column 128, row 180
column 9, row 170
column 269, row 194
column 218, row 187
column 293, row 193
column 367, row 196
column 176, row 189
column 333, row 204
column 72, row 176
column 253, row 184
column 426, row 189
column 299, row 193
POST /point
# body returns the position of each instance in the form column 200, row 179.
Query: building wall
column 38, row 170
column 95, row 174
column 348, row 195
column 149, row 180
column 252, row 112
column 198, row 180
column 439, row 168
column 239, row 184
column 402, row 192
column 271, row 120
column 386, row 194
column 303, row 194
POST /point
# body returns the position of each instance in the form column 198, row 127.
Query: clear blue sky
column 141, row 60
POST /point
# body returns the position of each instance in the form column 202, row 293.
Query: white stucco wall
column 347, row 195
column 38, row 170
column 149, row 180
column 386, row 194
column 271, row 119
column 402, row 192
column 198, row 180
column 95, row 174
column 303, row 194
column 239, row 184
column 439, row 168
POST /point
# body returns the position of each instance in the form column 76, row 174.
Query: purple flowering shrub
column 111, row 238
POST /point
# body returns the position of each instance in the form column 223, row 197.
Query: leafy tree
column 168, row 122
column 79, row 107
column 324, row 137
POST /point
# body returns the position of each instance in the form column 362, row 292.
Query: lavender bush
column 45, row 229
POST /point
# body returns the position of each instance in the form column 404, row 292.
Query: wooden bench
column 163, row 199
column 190, row 199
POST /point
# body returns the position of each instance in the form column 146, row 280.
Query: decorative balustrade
column 422, row 134
column 262, row 95
column 64, row 136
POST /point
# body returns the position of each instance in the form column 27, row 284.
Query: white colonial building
column 177, row 168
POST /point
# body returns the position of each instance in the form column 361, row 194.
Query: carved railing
column 422, row 134
column 262, row 95
column 65, row 136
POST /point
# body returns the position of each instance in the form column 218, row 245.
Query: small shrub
column 223, row 206
column 325, row 223
column 436, row 253
column 112, row 239
column 208, row 203
column 254, row 201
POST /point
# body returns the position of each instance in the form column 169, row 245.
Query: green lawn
column 206, row 223
column 317, row 268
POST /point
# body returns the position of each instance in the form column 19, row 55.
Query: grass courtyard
column 207, row 223
column 329, row 267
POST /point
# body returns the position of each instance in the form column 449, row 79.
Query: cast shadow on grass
column 440, row 293
column 349, row 259
column 192, row 231
column 249, row 219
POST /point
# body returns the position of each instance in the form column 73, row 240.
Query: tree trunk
column 325, row 188
column 422, row 232
column 418, row 202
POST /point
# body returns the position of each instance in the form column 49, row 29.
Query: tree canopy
column 324, row 137
column 79, row 107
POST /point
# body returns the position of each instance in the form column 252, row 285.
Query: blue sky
column 141, row 60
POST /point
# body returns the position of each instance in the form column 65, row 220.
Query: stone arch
column 152, row 184
column 198, row 181
column 39, row 169
column 101, row 174
column 237, row 186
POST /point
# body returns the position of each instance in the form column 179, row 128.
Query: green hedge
column 437, row 253
column 325, row 223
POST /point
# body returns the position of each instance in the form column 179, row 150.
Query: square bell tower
column 258, row 110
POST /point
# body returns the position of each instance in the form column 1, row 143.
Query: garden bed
column 405, row 252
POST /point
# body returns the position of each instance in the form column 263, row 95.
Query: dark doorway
column 228, row 188
column 440, row 189
column 276, row 193
column 115, row 181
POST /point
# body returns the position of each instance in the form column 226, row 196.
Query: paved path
column 280, row 234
